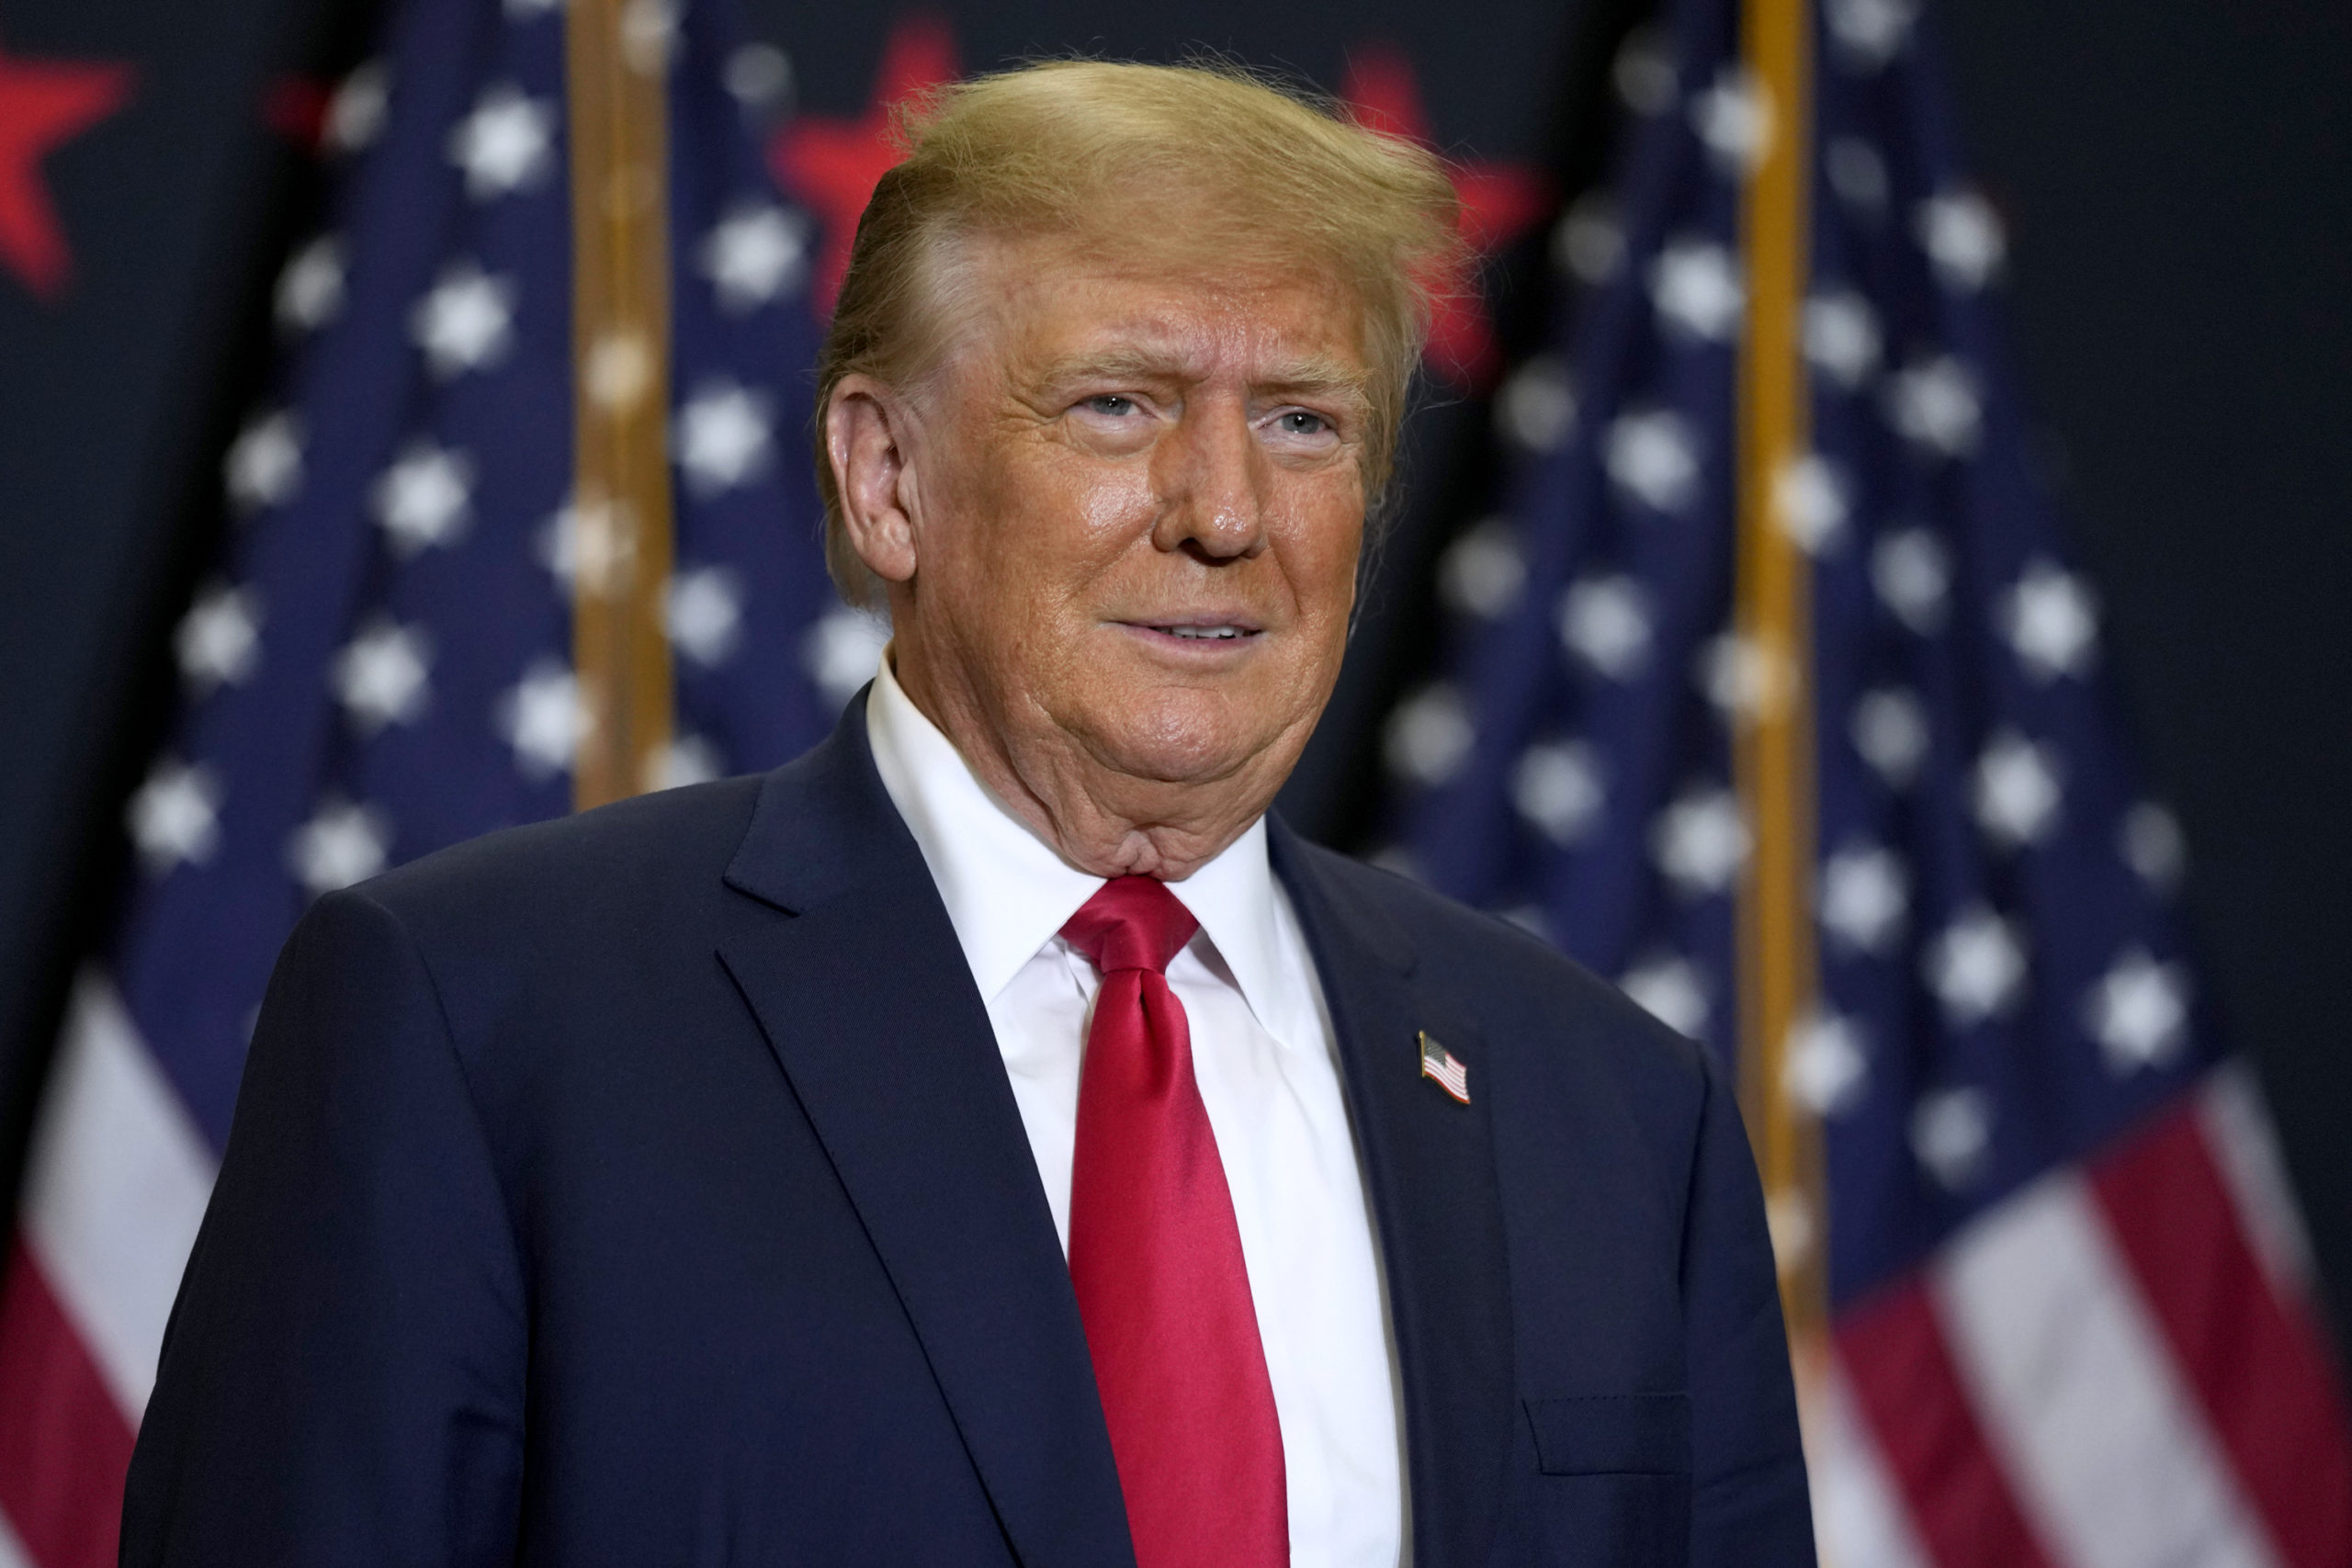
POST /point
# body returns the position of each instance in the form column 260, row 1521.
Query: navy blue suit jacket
column 646, row 1188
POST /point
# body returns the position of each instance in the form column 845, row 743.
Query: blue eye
column 1112, row 404
column 1298, row 422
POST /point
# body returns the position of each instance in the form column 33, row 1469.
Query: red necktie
column 1157, row 1260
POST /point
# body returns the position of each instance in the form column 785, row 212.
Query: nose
column 1211, row 482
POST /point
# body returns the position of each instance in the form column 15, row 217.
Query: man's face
column 1140, row 502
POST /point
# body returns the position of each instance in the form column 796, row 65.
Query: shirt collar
column 1008, row 893
column 1233, row 898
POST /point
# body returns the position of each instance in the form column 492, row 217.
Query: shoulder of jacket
column 631, row 852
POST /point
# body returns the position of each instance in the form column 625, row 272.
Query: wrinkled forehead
column 1153, row 302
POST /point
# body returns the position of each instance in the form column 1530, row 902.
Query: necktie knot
column 1131, row 922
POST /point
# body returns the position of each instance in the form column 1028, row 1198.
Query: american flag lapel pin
column 1439, row 1063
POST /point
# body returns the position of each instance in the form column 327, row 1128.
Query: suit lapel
column 865, row 998
column 1429, row 1164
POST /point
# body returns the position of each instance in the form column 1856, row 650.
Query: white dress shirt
column 1268, row 1068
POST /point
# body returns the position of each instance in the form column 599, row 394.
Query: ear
column 868, row 432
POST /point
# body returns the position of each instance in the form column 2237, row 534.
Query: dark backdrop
column 2178, row 179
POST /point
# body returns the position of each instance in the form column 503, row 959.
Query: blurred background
column 2162, row 203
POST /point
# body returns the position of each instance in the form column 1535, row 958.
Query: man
column 990, row 1139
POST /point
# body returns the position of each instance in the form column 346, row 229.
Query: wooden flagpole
column 1773, row 746
column 620, row 517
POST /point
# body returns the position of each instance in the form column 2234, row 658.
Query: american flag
column 2069, row 1319
column 381, row 663
column 1442, row 1064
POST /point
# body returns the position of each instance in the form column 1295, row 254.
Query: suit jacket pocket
column 1614, row 1484
column 1612, row 1434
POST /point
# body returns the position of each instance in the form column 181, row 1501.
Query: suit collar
column 865, row 1000
column 823, row 825
column 1356, row 926
column 1428, row 1165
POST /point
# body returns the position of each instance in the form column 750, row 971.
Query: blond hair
column 1074, row 147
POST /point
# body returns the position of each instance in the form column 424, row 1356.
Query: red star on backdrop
column 296, row 108
column 1499, row 203
column 43, row 103
column 831, row 164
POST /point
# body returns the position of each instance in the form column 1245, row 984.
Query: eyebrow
column 1315, row 374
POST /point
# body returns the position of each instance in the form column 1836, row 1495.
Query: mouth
column 1198, row 634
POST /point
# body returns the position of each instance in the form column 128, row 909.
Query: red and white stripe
column 1440, row 1064
column 2117, row 1368
column 1856, row 1503
column 113, row 1189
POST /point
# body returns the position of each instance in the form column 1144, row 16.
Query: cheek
column 1113, row 506
column 1056, row 521
column 1322, row 547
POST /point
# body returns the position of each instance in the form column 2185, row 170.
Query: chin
column 1185, row 736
